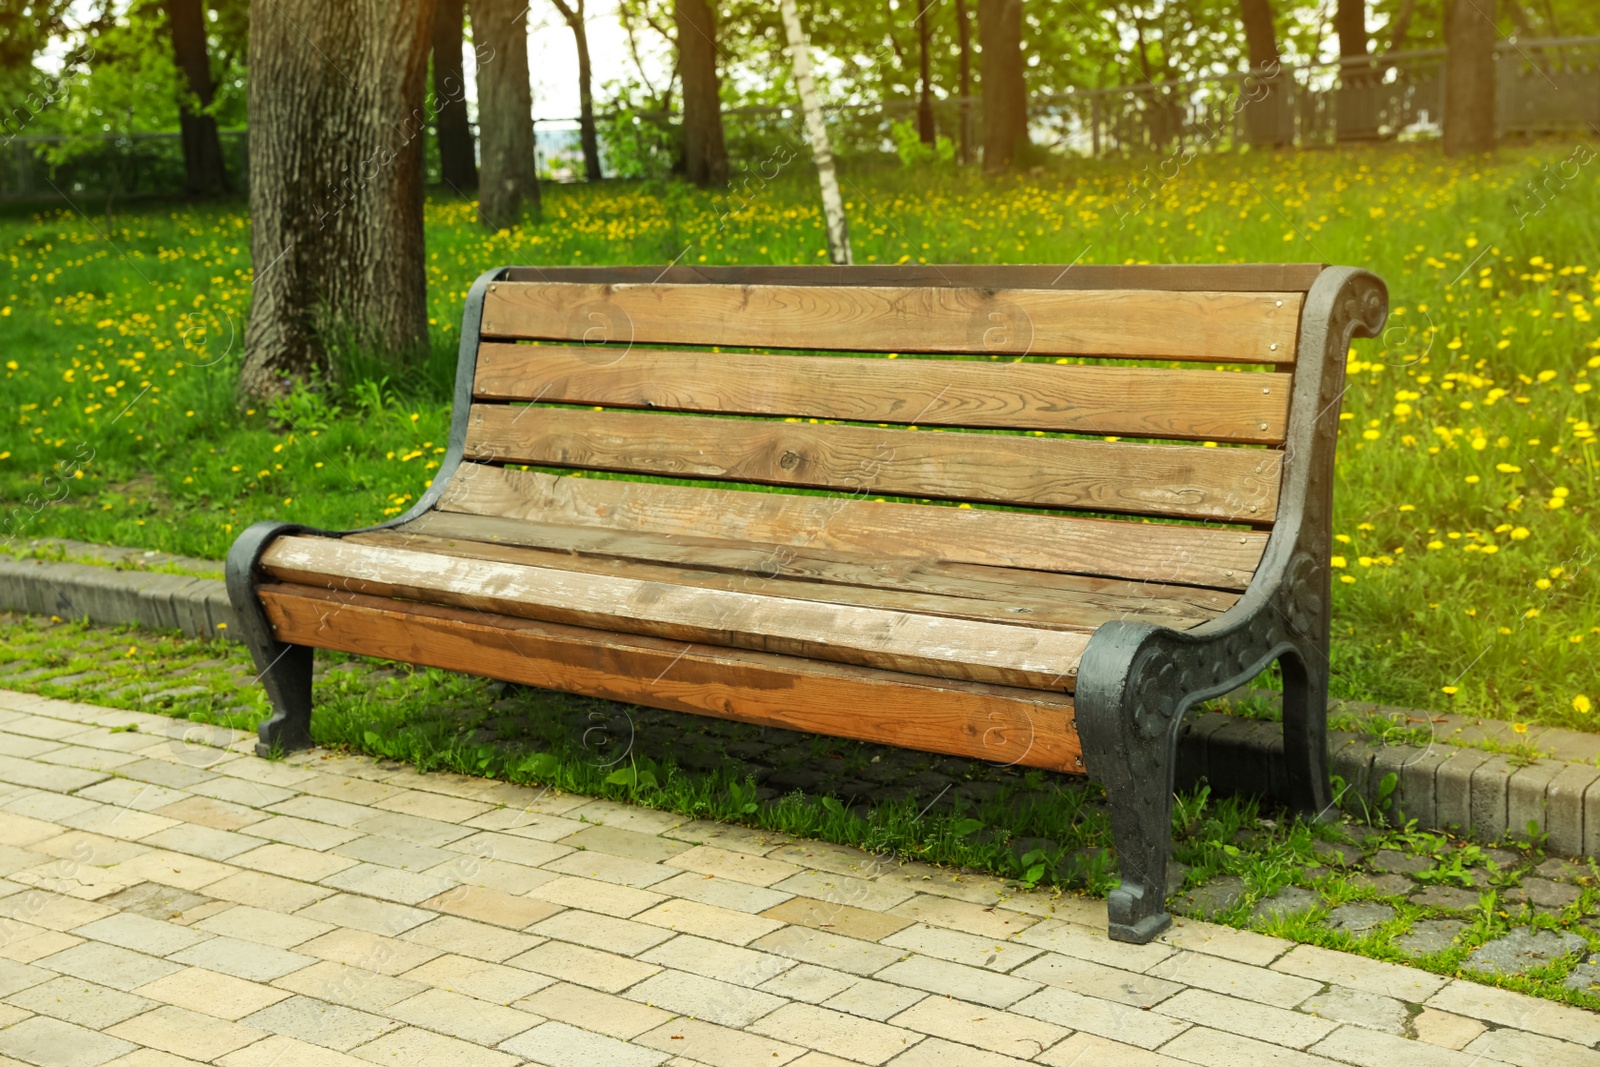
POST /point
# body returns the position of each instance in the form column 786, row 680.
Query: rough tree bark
column 1469, row 77
column 505, row 113
column 1355, row 119
column 925, row 130
column 204, row 171
column 1005, row 96
column 964, row 37
column 1263, row 115
column 573, row 12
column 705, row 155
column 821, row 151
column 337, row 124
column 458, row 165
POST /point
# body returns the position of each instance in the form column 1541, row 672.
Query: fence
column 1543, row 86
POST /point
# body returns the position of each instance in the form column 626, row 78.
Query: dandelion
column 1581, row 705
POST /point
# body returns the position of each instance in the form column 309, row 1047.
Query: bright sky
column 553, row 57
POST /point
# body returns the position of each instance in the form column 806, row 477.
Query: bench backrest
column 875, row 398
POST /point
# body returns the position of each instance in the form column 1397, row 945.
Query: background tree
column 505, row 113
column 1264, row 115
column 204, row 171
column 1469, row 77
column 572, row 11
column 458, row 164
column 705, row 154
column 964, row 76
column 821, row 150
column 1356, row 116
column 1005, row 94
column 336, row 124
column 925, row 128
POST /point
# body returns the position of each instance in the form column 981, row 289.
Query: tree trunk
column 1005, row 96
column 337, row 125
column 1356, row 116
column 505, row 113
column 964, row 37
column 1469, row 77
column 925, row 130
column 572, row 11
column 705, row 156
column 832, row 202
column 204, row 171
column 1263, row 114
column 458, row 167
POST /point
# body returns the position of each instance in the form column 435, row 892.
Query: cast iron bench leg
column 284, row 670
column 1305, row 731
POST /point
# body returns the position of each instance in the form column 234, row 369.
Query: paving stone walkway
column 168, row 899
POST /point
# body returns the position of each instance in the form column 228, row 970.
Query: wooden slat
column 1012, row 585
column 1139, row 324
column 1125, row 401
column 891, row 640
column 738, row 569
column 1158, row 552
column 1178, row 481
column 963, row 719
column 1177, row 277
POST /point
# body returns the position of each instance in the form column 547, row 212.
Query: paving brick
column 393, row 852
column 730, row 836
column 211, row 813
column 1444, row 1029
column 1357, row 972
column 280, row 1051
column 510, row 848
column 319, row 1022
column 962, row 915
column 388, row 883
column 42, row 776
column 186, row 1033
column 592, row 895
column 368, row 951
column 200, row 841
column 593, row 1010
column 15, row 977
column 302, row 833
column 608, row 868
column 467, row 1018
column 1490, row 784
column 1505, row 1008
column 561, row 1045
column 323, row 809
column 263, row 927
column 494, row 982
column 116, row 821
column 736, row 866
column 704, row 998
column 74, row 1000
column 716, row 959
column 235, row 790
column 428, row 805
column 174, row 869
column 1096, row 979
column 955, row 979
column 1242, row 946
column 134, row 796
column 29, row 943
column 717, row 1046
column 1260, row 1021
column 20, row 831
column 604, row 932
column 54, row 1043
column 464, row 937
column 1103, row 1018
column 292, row 861
column 630, row 844
column 1369, row 1048
column 1452, row 788
column 150, row 936
column 375, row 916
column 604, row 971
column 827, row 949
column 55, row 911
column 211, row 993
column 268, row 892
column 806, row 982
column 243, row 959
column 874, row 999
column 974, row 951
column 973, row 1024
column 1565, row 816
column 1214, row 1048
column 1089, row 943
column 414, row 828
column 720, row 892
column 861, row 1040
column 704, row 920
column 349, row 986
column 871, row 894
column 1235, row 979
column 1531, row 1050
column 1525, row 796
column 840, row 918
column 1087, row 1050
column 108, row 965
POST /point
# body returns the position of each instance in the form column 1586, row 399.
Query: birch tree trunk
column 337, row 126
column 505, row 113
column 832, row 203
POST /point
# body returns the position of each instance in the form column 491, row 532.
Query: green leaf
column 963, row 827
column 833, row 805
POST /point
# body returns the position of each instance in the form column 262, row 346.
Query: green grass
column 1467, row 468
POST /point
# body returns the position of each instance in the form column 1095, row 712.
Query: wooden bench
column 1029, row 539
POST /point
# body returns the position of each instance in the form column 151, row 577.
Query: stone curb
column 1441, row 786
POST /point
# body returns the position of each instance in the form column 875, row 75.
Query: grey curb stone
column 1441, row 786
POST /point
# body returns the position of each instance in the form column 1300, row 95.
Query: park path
column 168, row 898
